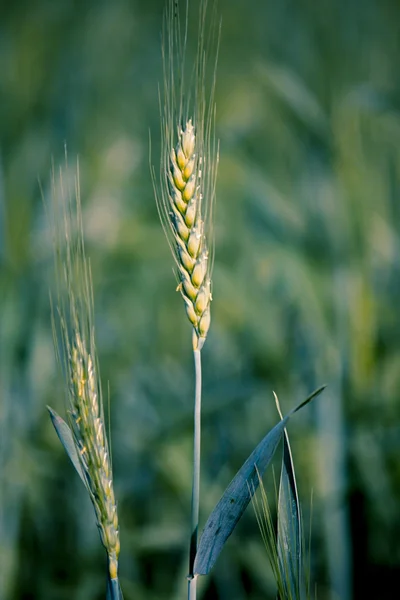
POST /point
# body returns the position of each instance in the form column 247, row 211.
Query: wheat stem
column 196, row 475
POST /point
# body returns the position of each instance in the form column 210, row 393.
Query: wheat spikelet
column 189, row 165
column 78, row 357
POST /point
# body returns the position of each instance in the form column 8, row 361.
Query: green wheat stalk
column 185, row 192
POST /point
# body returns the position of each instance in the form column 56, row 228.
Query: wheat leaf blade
column 238, row 494
column 289, row 525
column 65, row 436
column 289, row 530
column 313, row 395
column 234, row 501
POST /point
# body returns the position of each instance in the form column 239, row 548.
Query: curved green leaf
column 234, row 501
column 237, row 496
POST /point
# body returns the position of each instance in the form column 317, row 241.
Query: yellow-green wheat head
column 73, row 329
column 189, row 158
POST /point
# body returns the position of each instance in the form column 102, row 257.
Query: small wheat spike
column 189, row 162
column 73, row 325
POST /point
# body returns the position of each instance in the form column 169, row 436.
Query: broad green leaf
column 65, row 435
column 289, row 524
column 237, row 496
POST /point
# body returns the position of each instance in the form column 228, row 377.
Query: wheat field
column 305, row 288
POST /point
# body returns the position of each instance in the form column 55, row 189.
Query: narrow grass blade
column 114, row 591
column 289, row 536
column 65, row 435
column 237, row 496
column 313, row 395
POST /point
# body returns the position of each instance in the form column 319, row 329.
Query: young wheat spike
column 78, row 357
column 188, row 228
column 189, row 163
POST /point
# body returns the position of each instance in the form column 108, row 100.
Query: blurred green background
column 306, row 291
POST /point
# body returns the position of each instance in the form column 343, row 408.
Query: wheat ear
column 185, row 198
column 73, row 326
